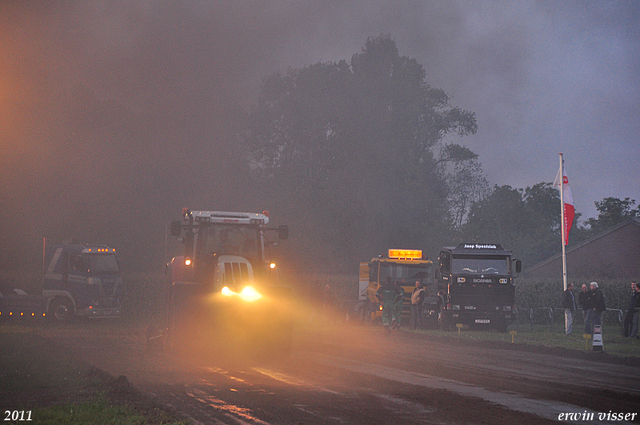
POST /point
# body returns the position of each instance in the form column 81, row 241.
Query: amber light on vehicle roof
column 88, row 250
column 405, row 253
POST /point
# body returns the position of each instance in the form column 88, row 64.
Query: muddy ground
column 344, row 374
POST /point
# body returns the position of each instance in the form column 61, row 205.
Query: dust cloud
column 116, row 114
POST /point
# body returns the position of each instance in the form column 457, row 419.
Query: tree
column 354, row 149
column 611, row 211
column 467, row 185
column 526, row 221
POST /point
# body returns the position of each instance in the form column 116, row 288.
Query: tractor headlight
column 250, row 294
column 247, row 294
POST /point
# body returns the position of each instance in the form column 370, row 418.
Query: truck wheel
column 61, row 310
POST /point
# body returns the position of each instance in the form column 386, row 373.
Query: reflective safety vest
column 415, row 297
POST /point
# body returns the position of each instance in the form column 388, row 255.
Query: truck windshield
column 103, row 264
column 462, row 264
column 409, row 272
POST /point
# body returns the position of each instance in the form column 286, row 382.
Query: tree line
column 357, row 155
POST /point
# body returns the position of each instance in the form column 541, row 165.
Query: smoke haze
column 115, row 114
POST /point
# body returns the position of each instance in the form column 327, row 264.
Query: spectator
column 441, row 306
column 627, row 322
column 569, row 305
column 387, row 297
column 636, row 315
column 398, row 303
column 582, row 300
column 417, row 300
column 631, row 316
column 596, row 306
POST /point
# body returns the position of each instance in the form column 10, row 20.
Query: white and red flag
column 569, row 211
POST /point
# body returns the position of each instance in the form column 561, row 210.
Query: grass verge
column 549, row 336
column 44, row 382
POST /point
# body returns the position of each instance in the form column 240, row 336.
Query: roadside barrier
column 553, row 315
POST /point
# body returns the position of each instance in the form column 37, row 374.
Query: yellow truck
column 405, row 266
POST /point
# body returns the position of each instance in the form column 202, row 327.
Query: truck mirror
column 283, row 232
column 518, row 266
column 176, row 228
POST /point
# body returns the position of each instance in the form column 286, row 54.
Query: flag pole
column 563, row 224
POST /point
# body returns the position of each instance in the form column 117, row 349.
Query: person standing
column 386, row 295
column 441, row 306
column 588, row 309
column 397, row 319
column 569, row 305
column 582, row 301
column 596, row 306
column 636, row 314
column 417, row 301
column 631, row 309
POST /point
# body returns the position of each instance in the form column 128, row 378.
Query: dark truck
column 78, row 281
column 477, row 281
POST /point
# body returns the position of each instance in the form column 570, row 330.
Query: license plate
column 483, row 321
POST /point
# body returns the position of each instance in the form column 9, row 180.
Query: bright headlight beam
column 247, row 294
column 250, row 294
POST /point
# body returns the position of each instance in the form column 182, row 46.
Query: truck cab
column 405, row 266
column 82, row 280
column 478, row 283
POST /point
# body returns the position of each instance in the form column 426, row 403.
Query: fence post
column 531, row 317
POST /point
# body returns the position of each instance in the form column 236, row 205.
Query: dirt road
column 355, row 374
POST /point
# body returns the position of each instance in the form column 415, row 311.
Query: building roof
column 601, row 235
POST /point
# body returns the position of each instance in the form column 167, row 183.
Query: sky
column 543, row 78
